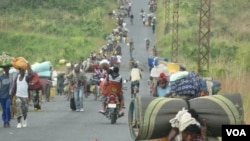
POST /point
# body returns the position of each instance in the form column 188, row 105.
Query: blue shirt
column 162, row 92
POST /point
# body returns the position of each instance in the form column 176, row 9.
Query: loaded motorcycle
column 112, row 108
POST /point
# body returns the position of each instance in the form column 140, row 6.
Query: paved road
column 58, row 123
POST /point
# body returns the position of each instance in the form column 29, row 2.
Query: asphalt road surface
column 56, row 121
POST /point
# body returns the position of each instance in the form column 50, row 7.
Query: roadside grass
column 50, row 31
column 239, row 84
column 229, row 42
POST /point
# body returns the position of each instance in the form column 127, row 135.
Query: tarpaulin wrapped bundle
column 45, row 74
column 5, row 59
column 20, row 63
column 42, row 67
column 152, row 61
column 148, row 117
column 213, row 86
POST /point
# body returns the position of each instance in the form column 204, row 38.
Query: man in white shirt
column 135, row 77
column 22, row 97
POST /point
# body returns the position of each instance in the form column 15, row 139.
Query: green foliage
column 230, row 34
column 53, row 29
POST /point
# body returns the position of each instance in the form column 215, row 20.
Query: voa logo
column 236, row 132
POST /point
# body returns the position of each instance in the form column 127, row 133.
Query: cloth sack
column 20, row 63
column 189, row 85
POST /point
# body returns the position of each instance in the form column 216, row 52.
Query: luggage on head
column 20, row 63
column 5, row 59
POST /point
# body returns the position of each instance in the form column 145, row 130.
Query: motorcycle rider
column 135, row 77
column 113, row 84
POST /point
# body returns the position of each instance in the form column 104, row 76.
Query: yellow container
column 173, row 67
column 52, row 92
column 62, row 61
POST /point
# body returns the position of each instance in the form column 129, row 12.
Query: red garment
column 34, row 82
column 112, row 87
column 162, row 75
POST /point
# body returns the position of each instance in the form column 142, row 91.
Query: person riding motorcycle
column 135, row 77
column 113, row 84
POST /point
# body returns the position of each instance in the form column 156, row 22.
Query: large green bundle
column 219, row 110
column 149, row 116
column 5, row 60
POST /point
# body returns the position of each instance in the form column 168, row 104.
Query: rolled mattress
column 148, row 117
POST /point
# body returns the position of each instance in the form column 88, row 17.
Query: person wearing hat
column 5, row 97
column 162, row 88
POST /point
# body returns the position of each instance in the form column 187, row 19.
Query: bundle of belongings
column 154, row 117
column 183, row 83
column 188, row 85
column 5, row 59
column 20, row 63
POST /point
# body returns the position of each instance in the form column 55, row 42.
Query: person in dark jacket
column 60, row 84
column 5, row 98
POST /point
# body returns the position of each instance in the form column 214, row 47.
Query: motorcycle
column 135, row 89
column 112, row 108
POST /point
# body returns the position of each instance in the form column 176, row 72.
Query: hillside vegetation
column 42, row 30
column 229, row 41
